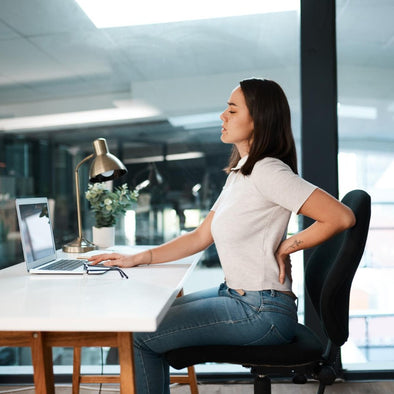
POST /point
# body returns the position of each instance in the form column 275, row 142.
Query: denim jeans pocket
column 275, row 301
column 252, row 300
column 274, row 336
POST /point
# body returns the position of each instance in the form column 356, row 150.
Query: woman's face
column 237, row 125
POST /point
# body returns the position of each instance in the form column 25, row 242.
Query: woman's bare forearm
column 331, row 217
column 182, row 246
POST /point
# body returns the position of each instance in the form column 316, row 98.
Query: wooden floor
column 382, row 387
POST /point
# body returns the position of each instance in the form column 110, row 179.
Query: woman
column 248, row 224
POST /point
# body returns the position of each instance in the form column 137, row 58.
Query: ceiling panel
column 83, row 53
column 41, row 17
column 6, row 32
column 53, row 59
column 23, row 62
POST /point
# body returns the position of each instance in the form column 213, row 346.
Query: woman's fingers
column 284, row 264
column 98, row 258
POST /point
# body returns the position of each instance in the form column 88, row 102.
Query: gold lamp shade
column 104, row 167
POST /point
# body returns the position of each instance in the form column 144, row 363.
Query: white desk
column 42, row 311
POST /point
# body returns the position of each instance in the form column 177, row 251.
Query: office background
column 156, row 91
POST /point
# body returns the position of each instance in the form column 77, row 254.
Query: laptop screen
column 35, row 230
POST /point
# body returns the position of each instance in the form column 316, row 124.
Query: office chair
column 328, row 276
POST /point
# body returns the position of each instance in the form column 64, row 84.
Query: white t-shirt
column 251, row 218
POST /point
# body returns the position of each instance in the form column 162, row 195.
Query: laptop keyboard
column 64, row 265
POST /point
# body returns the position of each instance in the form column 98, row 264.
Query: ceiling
column 54, row 61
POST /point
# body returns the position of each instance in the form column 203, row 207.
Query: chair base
column 262, row 385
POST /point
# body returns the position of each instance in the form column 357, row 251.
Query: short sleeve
column 216, row 204
column 279, row 184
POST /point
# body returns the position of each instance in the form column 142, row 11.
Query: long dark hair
column 272, row 134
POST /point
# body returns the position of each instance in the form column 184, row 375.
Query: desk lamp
column 104, row 167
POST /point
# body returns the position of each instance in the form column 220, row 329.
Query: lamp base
column 79, row 245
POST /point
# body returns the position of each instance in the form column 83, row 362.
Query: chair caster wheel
column 327, row 375
column 299, row 379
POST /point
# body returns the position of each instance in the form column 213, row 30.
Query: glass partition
column 187, row 70
column 366, row 161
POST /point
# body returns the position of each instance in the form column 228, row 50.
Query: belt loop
column 273, row 293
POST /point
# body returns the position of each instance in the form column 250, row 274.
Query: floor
column 382, row 387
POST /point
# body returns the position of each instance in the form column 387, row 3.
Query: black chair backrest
column 331, row 267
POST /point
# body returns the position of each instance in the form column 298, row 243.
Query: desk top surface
column 32, row 302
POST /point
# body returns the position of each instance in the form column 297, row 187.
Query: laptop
column 38, row 243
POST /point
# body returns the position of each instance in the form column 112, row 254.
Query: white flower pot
column 104, row 237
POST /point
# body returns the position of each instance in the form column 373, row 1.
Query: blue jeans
column 212, row 317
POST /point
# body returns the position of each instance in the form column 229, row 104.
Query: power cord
column 18, row 390
column 32, row 388
column 102, row 367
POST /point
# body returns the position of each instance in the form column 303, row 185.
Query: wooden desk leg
column 190, row 378
column 76, row 369
column 126, row 362
column 42, row 364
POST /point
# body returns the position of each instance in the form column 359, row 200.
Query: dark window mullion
column 319, row 131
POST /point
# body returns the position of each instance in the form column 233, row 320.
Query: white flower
column 107, row 201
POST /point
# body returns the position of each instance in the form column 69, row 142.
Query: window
column 366, row 161
column 175, row 78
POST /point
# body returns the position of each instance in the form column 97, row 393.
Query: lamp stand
column 79, row 244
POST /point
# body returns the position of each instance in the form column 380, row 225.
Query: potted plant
column 108, row 206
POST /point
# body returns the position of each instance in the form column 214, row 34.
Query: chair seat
column 305, row 348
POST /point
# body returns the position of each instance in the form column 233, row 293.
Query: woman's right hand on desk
column 112, row 259
column 182, row 246
column 121, row 260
